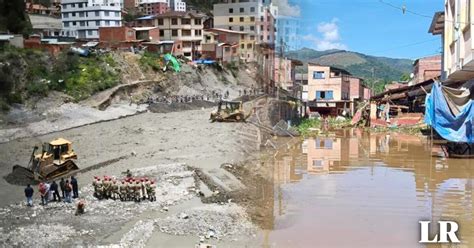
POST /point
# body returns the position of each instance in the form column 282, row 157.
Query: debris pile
column 212, row 221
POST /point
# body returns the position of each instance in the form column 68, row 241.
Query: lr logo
column 446, row 229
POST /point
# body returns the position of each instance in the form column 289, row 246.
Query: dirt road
column 169, row 144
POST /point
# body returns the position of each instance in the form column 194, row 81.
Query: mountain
column 373, row 69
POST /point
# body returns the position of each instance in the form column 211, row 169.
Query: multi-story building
column 328, row 90
column 289, row 33
column 177, row 5
column 454, row 24
column 426, row 68
column 186, row 27
column 257, row 18
column 131, row 4
column 82, row 18
column 153, row 7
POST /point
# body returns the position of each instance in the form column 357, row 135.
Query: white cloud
column 285, row 9
column 327, row 37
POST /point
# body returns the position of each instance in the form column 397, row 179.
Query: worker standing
column 68, row 192
column 75, row 187
column 55, row 192
column 62, row 186
column 29, row 195
column 43, row 193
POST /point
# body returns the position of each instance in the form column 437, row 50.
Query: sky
column 373, row 27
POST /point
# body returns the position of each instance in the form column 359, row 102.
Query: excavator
column 229, row 111
column 55, row 160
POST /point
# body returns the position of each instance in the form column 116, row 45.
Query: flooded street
column 358, row 189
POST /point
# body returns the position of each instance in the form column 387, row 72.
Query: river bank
column 176, row 146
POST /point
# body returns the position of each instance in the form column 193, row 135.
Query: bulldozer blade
column 62, row 169
column 21, row 171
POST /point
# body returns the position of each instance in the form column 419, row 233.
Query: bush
column 152, row 60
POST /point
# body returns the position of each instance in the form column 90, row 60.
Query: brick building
column 426, row 68
column 153, row 7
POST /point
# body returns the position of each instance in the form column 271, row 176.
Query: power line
column 404, row 9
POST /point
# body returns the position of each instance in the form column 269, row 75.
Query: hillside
column 374, row 69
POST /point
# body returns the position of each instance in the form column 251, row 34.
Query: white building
column 177, row 5
column 82, row 18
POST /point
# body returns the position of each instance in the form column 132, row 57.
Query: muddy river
column 357, row 189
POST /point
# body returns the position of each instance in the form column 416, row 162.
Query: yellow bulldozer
column 229, row 111
column 55, row 160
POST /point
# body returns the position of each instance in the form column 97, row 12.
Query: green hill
column 376, row 71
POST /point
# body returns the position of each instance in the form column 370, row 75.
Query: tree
column 405, row 77
column 13, row 17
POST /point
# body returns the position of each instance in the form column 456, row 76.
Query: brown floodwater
column 352, row 188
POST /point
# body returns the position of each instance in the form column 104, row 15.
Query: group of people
column 176, row 99
column 127, row 189
column 50, row 191
column 213, row 96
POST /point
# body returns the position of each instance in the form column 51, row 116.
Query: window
column 80, row 5
column 324, row 95
column 73, row 14
column 268, row 37
column 230, row 27
column 261, row 37
column 261, row 18
column 261, row 27
column 66, row 24
column 242, row 28
column 160, row 22
column 318, row 75
column 318, row 164
column 82, row 24
column 106, row 13
column 242, row 46
column 81, row 14
column 174, row 21
column 241, row 10
column 252, row 37
column 97, row 23
column 231, row 10
column 64, row 6
column 116, row 14
column 252, row 18
column 197, row 32
column 241, row 19
column 197, row 21
column 73, row 5
column 252, row 9
column 185, row 21
column 97, row 13
column 242, row 36
column 249, row 46
column 107, row 23
column 231, row 19
column 89, row 32
column 252, row 28
column 162, row 33
column 227, row 49
column 65, row 15
column 174, row 32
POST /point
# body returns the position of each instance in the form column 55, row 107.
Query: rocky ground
column 177, row 148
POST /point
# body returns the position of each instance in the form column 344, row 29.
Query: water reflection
column 358, row 189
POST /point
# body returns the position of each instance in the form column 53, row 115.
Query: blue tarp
column 455, row 128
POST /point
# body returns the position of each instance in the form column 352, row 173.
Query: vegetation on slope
column 26, row 73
